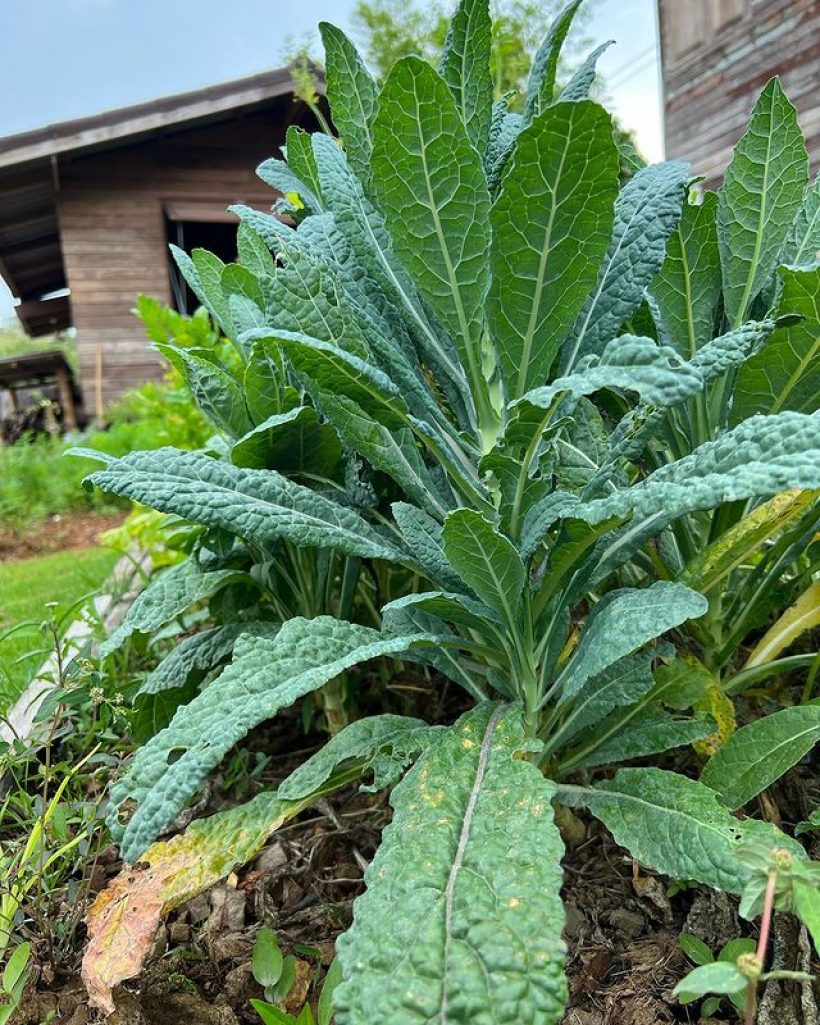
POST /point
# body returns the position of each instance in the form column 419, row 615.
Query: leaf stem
column 762, row 943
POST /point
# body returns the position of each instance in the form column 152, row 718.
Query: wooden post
column 66, row 399
column 98, row 384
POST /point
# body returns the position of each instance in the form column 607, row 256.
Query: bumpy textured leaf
column 581, row 82
column 337, row 372
column 785, row 374
column 465, row 67
column 648, row 734
column 167, row 596
column 202, row 651
column 803, row 615
column 732, row 349
column 214, row 390
column 284, row 179
column 292, row 443
column 266, row 674
column 209, row 270
column 619, row 685
column 630, row 363
column 252, row 251
column 353, row 97
column 687, row 287
column 623, row 622
column 541, row 86
column 452, row 608
column 504, row 131
column 406, row 617
column 485, row 560
column 676, row 825
column 473, row 933
column 430, row 185
column 259, row 505
column 802, row 246
column 265, row 383
column 123, row 920
column 646, row 213
column 394, row 452
column 761, row 457
column 551, row 226
column 762, row 191
column 362, row 229
column 302, row 297
column 423, row 537
column 311, row 299
column 758, row 754
column 382, row 744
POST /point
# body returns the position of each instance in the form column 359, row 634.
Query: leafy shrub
column 473, row 360
column 37, row 481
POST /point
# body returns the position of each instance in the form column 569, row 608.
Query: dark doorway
column 218, row 237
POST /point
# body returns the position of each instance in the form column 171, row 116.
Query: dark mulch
column 622, row 927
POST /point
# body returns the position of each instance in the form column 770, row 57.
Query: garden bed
column 622, row 922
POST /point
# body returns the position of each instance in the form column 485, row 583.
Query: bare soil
column 64, row 533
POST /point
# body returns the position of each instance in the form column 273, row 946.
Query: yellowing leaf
column 124, row 918
column 803, row 615
column 720, row 707
column 739, row 543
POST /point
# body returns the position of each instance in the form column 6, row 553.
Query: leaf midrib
column 770, row 754
column 308, row 518
column 796, row 374
column 546, row 249
column 445, row 252
column 761, row 219
column 458, row 860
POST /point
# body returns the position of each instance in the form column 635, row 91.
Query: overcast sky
column 62, row 59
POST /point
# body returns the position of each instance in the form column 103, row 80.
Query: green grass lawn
column 26, row 585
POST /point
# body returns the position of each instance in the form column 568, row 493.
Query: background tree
column 390, row 29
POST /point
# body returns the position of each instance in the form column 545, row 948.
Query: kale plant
column 471, row 313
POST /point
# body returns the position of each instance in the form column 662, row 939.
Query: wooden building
column 717, row 55
column 88, row 207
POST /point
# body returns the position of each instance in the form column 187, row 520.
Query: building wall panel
column 112, row 217
column 711, row 83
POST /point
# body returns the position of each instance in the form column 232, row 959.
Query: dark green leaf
column 465, row 67
column 486, row 561
column 430, row 185
column 758, row 754
column 551, row 226
column 687, row 287
column 353, row 97
column 646, row 213
column 761, row 194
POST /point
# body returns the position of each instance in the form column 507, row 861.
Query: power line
column 637, row 69
column 627, row 65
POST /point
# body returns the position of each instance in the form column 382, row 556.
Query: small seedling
column 276, row 974
column 715, row 975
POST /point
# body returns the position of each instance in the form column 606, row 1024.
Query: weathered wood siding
column 717, row 57
column 111, row 209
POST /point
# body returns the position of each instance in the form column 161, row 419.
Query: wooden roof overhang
column 31, row 259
